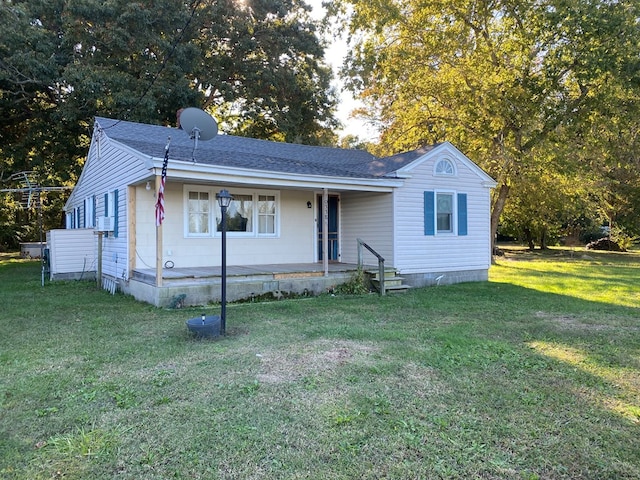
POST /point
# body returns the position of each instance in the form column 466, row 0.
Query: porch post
column 158, row 243
column 132, row 198
column 325, row 231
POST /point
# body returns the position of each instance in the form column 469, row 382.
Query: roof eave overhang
column 199, row 172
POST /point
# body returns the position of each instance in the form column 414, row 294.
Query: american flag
column 160, row 201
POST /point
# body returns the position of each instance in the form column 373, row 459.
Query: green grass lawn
column 532, row 375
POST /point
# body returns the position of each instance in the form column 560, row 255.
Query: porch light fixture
column 148, row 186
column 224, row 200
column 309, row 204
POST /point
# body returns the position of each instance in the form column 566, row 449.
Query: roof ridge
column 277, row 143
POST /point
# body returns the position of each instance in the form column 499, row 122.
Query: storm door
column 333, row 247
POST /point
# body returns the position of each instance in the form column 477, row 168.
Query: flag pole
column 160, row 182
column 158, row 242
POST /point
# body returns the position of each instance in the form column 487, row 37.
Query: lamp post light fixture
column 224, row 200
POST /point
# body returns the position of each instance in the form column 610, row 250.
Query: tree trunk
column 543, row 239
column 529, row 238
column 496, row 211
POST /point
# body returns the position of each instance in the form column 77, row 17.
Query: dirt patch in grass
column 322, row 356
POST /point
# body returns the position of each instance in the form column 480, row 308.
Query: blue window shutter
column 115, row 213
column 95, row 212
column 462, row 214
column 429, row 213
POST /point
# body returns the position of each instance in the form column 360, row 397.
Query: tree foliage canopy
column 524, row 87
column 256, row 66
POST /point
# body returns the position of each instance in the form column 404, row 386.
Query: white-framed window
column 444, row 167
column 89, row 212
column 198, row 217
column 267, row 214
column 109, row 204
column 250, row 213
column 240, row 214
column 444, row 212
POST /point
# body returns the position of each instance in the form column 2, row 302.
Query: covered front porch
column 202, row 285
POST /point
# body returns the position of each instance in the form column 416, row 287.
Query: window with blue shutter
column 438, row 206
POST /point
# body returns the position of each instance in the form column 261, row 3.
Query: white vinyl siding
column 468, row 246
column 71, row 251
column 368, row 216
column 108, row 169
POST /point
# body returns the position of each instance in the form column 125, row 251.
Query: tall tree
column 257, row 65
column 263, row 72
column 502, row 79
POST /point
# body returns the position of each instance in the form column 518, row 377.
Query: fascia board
column 190, row 171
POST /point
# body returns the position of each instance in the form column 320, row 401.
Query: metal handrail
column 380, row 262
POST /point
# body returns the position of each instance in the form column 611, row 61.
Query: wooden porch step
column 397, row 288
column 392, row 282
column 388, row 281
column 388, row 272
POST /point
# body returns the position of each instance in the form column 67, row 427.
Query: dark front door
column 333, row 228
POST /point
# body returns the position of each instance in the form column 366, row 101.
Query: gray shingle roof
column 249, row 153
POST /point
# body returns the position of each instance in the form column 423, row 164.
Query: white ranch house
column 294, row 223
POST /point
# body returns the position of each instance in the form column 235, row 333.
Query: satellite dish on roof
column 199, row 124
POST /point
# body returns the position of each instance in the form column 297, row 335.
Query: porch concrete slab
column 202, row 285
column 289, row 269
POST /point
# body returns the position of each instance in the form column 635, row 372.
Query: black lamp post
column 224, row 200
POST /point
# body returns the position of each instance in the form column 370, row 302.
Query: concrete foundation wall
column 444, row 278
column 210, row 292
column 74, row 276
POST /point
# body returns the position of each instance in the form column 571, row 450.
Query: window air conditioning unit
column 105, row 224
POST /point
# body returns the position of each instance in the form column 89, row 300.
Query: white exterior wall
column 416, row 252
column 368, row 216
column 71, row 251
column 109, row 167
column 293, row 244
